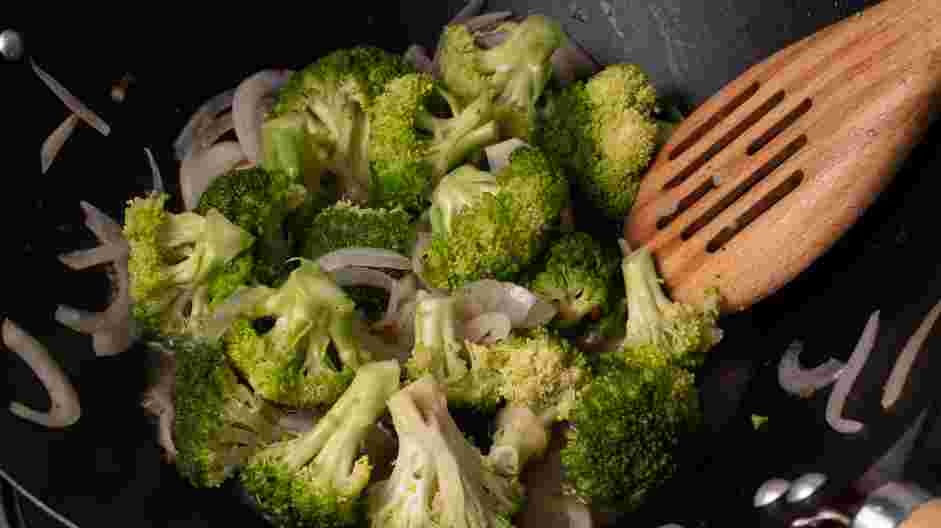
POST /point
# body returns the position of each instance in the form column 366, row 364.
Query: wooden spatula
column 767, row 174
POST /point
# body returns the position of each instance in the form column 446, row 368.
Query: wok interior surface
column 109, row 466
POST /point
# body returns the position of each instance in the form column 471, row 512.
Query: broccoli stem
column 458, row 136
column 645, row 296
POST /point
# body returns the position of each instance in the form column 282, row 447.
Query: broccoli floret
column 603, row 132
column 625, row 431
column 517, row 70
column 498, row 234
column 458, row 189
column 219, row 422
column 293, row 363
column 577, row 277
column 320, row 122
column 439, row 478
column 469, row 376
column 411, row 148
column 541, row 375
column 345, row 225
column 239, row 272
column 319, row 478
column 173, row 258
column 259, row 202
column 658, row 330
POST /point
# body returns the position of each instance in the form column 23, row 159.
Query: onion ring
column 251, row 102
column 204, row 115
column 154, row 171
column 843, row 385
column 895, row 383
column 65, row 409
column 200, row 170
column 804, row 382
column 358, row 276
column 71, row 101
column 53, row 144
column 363, row 257
column 417, row 56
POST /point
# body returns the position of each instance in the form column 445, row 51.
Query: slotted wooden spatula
column 767, row 174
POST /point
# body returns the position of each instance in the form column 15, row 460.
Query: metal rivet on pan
column 805, row 486
column 771, row 491
column 11, row 45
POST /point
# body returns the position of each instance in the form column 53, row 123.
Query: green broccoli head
column 658, row 330
column 604, row 132
column 439, row 478
column 345, row 225
column 541, row 375
column 320, row 122
column 625, row 429
column 457, row 190
column 319, row 478
column 517, row 69
column 577, row 276
column 219, row 422
column 309, row 356
column 411, row 148
column 173, row 258
column 470, row 378
column 259, row 202
column 498, row 234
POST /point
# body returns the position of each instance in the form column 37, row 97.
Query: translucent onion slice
column 804, row 382
column 71, row 101
column 417, row 56
column 498, row 156
column 252, row 101
column 363, row 257
column 893, row 386
column 239, row 303
column 154, row 171
column 65, row 409
column 488, row 328
column 200, row 170
column 200, row 120
column 159, row 402
column 53, row 144
column 358, row 276
column 843, row 385
column 524, row 308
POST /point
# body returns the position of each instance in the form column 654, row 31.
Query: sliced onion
column 65, row 409
column 71, row 101
column 199, row 171
column 357, row 276
column 804, row 382
column 893, row 386
column 405, row 288
column 571, row 62
column 242, row 301
column 488, row 328
column 487, row 21
column 159, row 402
column 203, row 116
column 417, row 56
column 364, row 257
column 498, row 156
column 524, row 308
column 86, row 258
column 843, row 385
column 154, row 171
column 211, row 134
column 253, row 99
column 53, row 144
column 472, row 9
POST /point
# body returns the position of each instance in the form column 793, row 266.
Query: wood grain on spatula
column 767, row 174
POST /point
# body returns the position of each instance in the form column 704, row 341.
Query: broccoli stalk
column 496, row 235
column 318, row 478
column 517, row 69
column 576, row 277
column 624, row 434
column 658, row 330
column 219, row 422
column 411, row 148
column 469, row 378
column 292, row 362
column 173, row 258
column 439, row 478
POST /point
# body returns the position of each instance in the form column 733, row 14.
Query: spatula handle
column 928, row 515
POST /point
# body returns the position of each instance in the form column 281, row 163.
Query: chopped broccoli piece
column 457, row 190
column 173, row 258
column 604, row 133
column 259, row 202
column 577, row 277
column 320, row 120
column 219, row 422
column 237, row 273
column 345, row 225
column 470, row 379
column 517, row 70
column 411, row 148
column 498, row 234
column 625, row 431
column 318, row 478
column 439, row 478
column 292, row 363
column 658, row 330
